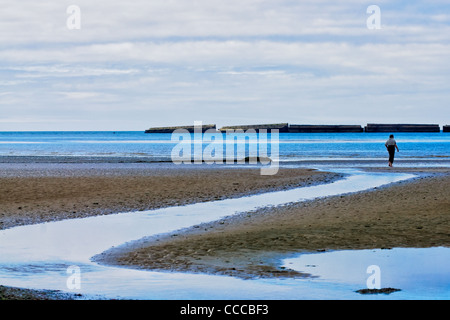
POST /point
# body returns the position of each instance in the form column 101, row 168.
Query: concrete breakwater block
column 373, row 127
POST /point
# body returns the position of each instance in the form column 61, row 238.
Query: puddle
column 38, row 256
column 419, row 273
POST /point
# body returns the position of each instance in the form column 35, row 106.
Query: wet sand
column 250, row 245
column 34, row 193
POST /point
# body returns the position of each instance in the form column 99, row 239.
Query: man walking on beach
column 391, row 145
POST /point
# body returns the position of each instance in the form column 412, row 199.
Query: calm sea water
column 425, row 148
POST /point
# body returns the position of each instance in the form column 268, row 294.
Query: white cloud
column 39, row 71
column 222, row 60
column 24, row 22
column 79, row 95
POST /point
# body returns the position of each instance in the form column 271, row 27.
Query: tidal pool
column 419, row 273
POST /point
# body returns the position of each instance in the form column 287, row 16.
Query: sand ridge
column 35, row 194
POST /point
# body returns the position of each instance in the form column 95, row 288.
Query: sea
column 416, row 149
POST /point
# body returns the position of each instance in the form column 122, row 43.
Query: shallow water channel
column 57, row 255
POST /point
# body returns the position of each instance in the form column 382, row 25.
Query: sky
column 119, row 65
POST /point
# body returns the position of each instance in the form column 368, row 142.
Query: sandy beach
column 406, row 214
column 247, row 245
column 35, row 193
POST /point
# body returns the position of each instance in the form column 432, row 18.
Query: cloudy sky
column 137, row 64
